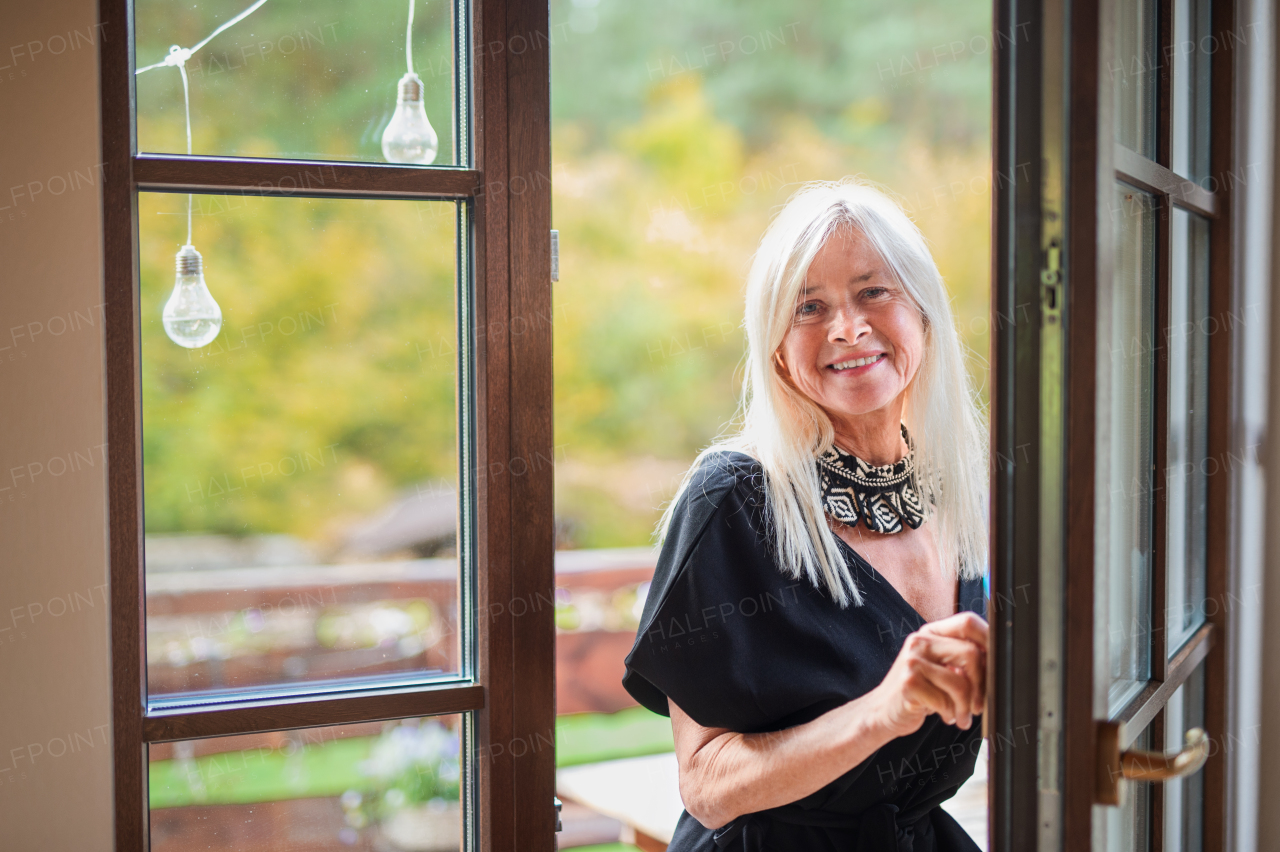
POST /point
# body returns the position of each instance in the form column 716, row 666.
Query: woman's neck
column 876, row 437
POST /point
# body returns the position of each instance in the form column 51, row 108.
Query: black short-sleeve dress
column 739, row 645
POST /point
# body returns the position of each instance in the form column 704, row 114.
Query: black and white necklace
column 882, row 497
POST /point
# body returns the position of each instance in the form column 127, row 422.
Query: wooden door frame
column 510, row 690
column 1021, row 96
column 516, row 542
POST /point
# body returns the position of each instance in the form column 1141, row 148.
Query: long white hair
column 785, row 430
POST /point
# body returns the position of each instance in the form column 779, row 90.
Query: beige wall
column 55, row 759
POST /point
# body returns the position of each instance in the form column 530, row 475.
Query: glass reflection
column 1191, row 56
column 1134, row 71
column 1125, row 446
column 1188, row 465
column 1184, row 797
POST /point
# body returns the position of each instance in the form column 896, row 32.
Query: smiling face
column 855, row 343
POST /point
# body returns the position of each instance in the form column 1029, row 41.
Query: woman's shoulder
column 720, row 507
column 713, row 557
column 719, row 472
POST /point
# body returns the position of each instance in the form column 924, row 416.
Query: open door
column 439, row 378
column 1111, row 353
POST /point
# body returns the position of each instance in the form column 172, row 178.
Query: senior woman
column 813, row 626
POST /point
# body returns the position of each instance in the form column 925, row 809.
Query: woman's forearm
column 724, row 774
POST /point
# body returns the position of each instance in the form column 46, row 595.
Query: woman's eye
column 875, row 292
column 807, row 309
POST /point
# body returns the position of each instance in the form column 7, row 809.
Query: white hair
column 785, row 430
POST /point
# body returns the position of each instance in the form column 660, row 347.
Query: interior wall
column 55, row 716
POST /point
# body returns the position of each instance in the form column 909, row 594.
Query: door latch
column 1051, row 283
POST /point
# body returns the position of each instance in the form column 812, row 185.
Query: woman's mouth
column 855, row 363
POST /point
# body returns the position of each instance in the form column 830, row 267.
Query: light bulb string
column 179, row 55
column 408, row 40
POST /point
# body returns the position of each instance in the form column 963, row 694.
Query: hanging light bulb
column 409, row 138
column 191, row 317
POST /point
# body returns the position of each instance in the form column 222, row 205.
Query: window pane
column 369, row 786
column 1192, row 51
column 1134, row 68
column 1125, row 447
column 301, row 468
column 1184, row 797
column 315, row 80
column 1128, row 827
column 1188, row 464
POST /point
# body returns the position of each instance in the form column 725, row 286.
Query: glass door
column 1154, row 467
column 1110, row 431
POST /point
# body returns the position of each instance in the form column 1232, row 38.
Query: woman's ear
column 780, row 367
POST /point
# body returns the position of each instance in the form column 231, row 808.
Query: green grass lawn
column 243, row 777
column 332, row 768
column 593, row 737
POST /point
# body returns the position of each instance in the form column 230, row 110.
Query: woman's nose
column 847, row 326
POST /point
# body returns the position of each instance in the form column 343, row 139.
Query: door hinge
column 555, row 255
column 556, row 799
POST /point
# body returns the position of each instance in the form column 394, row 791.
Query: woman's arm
column 941, row 669
column 725, row 774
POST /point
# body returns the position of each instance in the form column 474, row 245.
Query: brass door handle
column 1158, row 766
column 1114, row 765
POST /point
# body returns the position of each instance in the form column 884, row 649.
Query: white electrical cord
column 408, row 40
column 178, row 57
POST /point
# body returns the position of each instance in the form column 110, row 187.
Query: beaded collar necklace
column 881, row 497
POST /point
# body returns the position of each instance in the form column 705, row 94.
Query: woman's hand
column 942, row 668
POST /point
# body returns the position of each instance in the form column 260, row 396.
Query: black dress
column 739, row 645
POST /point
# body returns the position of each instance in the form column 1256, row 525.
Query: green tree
column 678, row 129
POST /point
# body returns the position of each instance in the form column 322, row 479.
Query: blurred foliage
column 331, row 384
column 678, row 129
column 312, row 80
column 414, row 762
column 920, row 68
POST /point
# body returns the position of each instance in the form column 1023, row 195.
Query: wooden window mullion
column 300, row 178
column 316, row 712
